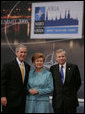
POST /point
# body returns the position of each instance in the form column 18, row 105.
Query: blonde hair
column 60, row 50
column 38, row 55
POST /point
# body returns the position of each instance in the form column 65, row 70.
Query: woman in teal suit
column 39, row 87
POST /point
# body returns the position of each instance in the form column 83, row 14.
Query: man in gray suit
column 67, row 81
column 13, row 85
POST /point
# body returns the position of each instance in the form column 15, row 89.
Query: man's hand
column 3, row 101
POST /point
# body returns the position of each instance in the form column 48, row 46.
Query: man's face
column 21, row 54
column 61, row 58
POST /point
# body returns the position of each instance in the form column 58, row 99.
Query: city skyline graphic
column 67, row 20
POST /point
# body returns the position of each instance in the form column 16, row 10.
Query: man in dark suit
column 67, row 82
column 13, row 88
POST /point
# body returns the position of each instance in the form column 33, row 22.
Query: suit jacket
column 66, row 93
column 12, row 86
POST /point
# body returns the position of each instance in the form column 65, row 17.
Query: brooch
column 68, row 68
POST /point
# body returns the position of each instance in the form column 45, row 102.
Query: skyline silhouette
column 67, row 20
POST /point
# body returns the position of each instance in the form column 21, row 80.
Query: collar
column 64, row 65
column 19, row 62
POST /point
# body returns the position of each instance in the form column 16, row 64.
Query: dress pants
column 61, row 110
column 64, row 109
column 13, row 109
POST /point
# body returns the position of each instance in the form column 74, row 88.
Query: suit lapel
column 19, row 76
column 68, row 72
column 57, row 73
column 26, row 71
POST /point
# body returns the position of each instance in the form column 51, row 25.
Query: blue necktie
column 62, row 74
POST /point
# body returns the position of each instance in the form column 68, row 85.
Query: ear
column 56, row 58
column 16, row 53
column 33, row 63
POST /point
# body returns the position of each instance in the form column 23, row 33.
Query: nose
column 61, row 57
column 23, row 54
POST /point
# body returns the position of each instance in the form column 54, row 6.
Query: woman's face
column 39, row 63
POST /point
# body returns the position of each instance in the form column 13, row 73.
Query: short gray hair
column 20, row 46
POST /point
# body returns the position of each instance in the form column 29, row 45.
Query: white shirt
column 64, row 69
column 19, row 63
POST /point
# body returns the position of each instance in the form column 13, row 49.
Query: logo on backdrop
column 52, row 25
column 57, row 20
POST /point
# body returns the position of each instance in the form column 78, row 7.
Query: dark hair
column 37, row 55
